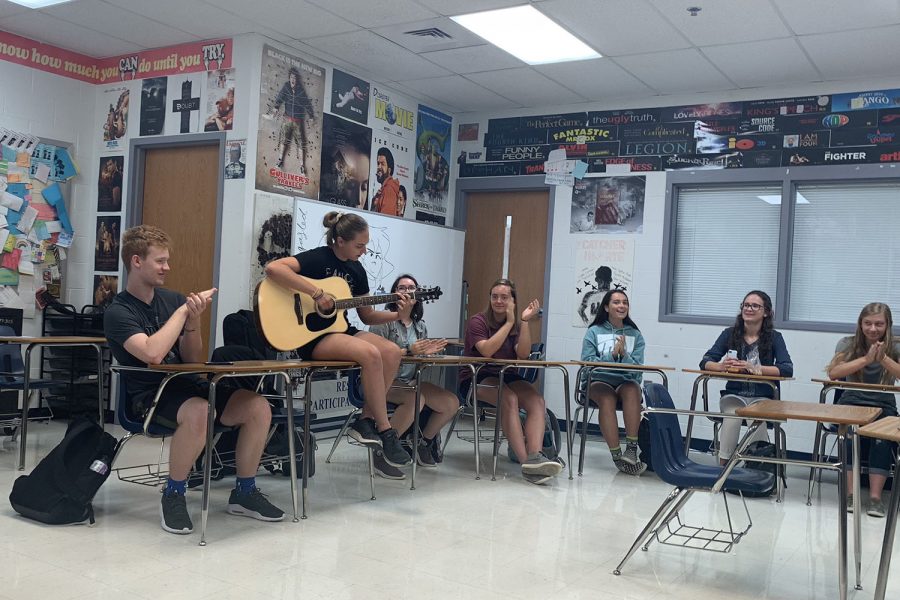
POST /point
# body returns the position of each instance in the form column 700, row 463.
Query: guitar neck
column 372, row 300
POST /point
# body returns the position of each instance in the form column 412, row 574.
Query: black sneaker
column 393, row 450
column 384, row 469
column 363, row 431
column 437, row 452
column 424, row 457
column 174, row 516
column 253, row 504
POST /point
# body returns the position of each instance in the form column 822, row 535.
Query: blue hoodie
column 598, row 344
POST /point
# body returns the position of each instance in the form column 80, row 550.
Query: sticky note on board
column 65, row 239
column 27, row 220
column 23, row 159
column 42, row 172
column 10, row 260
column 581, row 168
column 10, row 243
column 9, row 155
column 4, row 235
column 53, row 195
column 66, row 168
column 53, row 226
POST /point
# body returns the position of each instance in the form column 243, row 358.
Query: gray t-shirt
column 871, row 373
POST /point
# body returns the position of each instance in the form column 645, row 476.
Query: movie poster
column 349, row 97
column 235, row 159
column 219, row 100
column 433, row 140
column 106, row 245
column 346, row 148
column 601, row 264
column 184, row 103
column 393, row 140
column 109, row 183
column 289, row 143
column 153, row 105
column 105, row 289
column 115, row 120
column 273, row 230
column 608, row 205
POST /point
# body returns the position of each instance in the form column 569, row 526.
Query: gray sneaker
column 630, row 455
column 538, row 464
column 537, row 479
column 384, row 468
column 635, row 470
column 876, row 508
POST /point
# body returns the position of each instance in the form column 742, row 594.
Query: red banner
column 186, row 58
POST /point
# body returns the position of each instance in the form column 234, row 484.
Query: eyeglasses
column 406, row 288
column 751, row 307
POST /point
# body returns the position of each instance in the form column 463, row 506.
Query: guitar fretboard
column 380, row 299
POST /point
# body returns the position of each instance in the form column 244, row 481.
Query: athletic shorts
column 509, row 376
column 305, row 352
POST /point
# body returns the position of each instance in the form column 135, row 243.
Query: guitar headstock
column 428, row 294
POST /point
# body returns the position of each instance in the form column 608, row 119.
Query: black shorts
column 305, row 352
column 508, row 377
column 180, row 390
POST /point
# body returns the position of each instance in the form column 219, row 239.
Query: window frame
column 788, row 178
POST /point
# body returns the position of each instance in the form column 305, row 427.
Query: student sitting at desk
column 614, row 337
column 149, row 325
column 753, row 346
column 410, row 333
column 496, row 332
column 871, row 355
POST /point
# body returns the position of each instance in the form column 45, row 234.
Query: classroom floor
column 453, row 537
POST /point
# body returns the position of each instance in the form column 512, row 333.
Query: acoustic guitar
column 289, row 319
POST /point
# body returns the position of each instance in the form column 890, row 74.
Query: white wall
column 54, row 108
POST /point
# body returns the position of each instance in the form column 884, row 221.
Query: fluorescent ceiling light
column 527, row 34
column 776, row 199
column 39, row 3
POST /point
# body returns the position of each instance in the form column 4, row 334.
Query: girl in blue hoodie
column 614, row 337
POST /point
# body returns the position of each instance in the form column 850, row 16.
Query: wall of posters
column 433, row 147
column 184, row 103
column 109, row 184
column 153, row 105
column 219, row 100
column 105, row 289
column 289, row 142
column 114, row 127
column 106, row 244
column 601, row 264
column 393, row 121
column 236, row 159
column 346, row 147
column 273, row 231
column 349, row 96
column 608, row 205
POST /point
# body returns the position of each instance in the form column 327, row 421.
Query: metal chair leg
column 371, row 471
column 340, row 436
column 584, row 429
column 453, row 423
column 817, row 457
column 657, row 517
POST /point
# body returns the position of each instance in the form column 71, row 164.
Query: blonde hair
column 860, row 347
column 136, row 241
column 342, row 225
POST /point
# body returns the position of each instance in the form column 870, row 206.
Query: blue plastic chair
column 674, row 467
column 12, row 377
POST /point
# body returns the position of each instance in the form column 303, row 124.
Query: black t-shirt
column 126, row 316
column 321, row 263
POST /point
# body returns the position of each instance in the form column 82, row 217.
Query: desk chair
column 673, row 466
column 356, row 400
column 12, row 377
column 584, row 403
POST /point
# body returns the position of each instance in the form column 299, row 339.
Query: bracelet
column 318, row 294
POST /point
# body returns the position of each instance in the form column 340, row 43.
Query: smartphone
column 732, row 354
column 216, row 363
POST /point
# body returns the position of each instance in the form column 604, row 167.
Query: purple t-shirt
column 477, row 329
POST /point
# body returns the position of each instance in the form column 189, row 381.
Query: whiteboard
column 430, row 253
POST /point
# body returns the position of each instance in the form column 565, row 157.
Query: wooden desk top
column 782, row 410
column 621, row 366
column 448, row 359
column 52, row 339
column 525, row 362
column 253, row 366
column 857, row 385
column 887, row 428
column 736, row 375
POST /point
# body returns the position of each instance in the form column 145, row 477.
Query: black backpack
column 278, row 446
column 60, row 488
column 239, row 329
column 765, row 450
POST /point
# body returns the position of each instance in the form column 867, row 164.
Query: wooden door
column 486, row 214
column 180, row 196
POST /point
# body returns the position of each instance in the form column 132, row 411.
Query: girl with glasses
column 411, row 335
column 500, row 331
column 871, row 355
column 753, row 346
column 614, row 337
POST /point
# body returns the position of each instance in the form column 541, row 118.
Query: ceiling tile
column 676, row 71
column 725, row 21
column 615, row 27
column 206, row 21
column 853, row 54
column 430, row 35
column 595, row 79
column 459, row 91
column 46, row 28
column 7, row 9
column 295, row 18
column 820, row 16
column 526, row 86
column 473, row 59
column 126, row 25
column 366, row 13
column 377, row 56
column 461, row 7
column 416, row 93
column 750, row 64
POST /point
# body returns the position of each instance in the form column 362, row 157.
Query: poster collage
column 848, row 128
column 191, row 94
